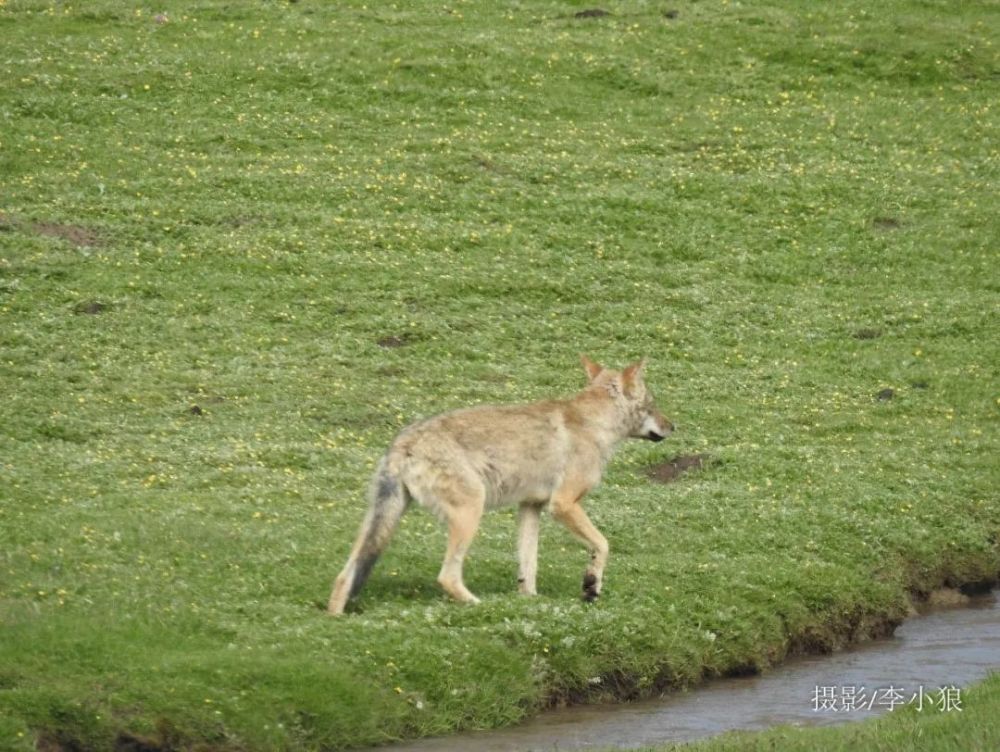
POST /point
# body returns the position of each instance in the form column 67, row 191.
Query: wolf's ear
column 593, row 369
column 633, row 374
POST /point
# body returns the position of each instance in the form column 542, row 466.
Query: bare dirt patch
column 886, row 223
column 392, row 341
column 671, row 470
column 91, row 308
column 867, row 333
column 78, row 235
column 81, row 237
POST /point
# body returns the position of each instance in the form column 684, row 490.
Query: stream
column 926, row 662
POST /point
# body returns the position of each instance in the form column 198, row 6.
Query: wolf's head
column 641, row 417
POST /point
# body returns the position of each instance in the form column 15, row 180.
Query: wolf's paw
column 590, row 591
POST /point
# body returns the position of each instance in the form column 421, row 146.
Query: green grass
column 973, row 729
column 230, row 205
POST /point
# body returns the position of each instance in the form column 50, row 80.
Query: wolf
column 545, row 454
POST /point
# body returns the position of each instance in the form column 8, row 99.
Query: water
column 947, row 647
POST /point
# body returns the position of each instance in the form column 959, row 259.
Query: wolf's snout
column 655, row 428
column 660, row 432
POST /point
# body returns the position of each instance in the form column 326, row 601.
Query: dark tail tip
column 362, row 569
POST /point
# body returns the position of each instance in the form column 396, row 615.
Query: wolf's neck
column 599, row 410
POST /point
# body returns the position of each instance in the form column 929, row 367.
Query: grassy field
column 242, row 244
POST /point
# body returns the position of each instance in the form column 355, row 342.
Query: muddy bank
column 584, row 711
column 954, row 642
column 828, row 633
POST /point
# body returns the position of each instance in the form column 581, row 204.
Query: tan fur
column 545, row 454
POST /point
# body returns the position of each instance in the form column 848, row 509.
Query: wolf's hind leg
column 527, row 547
column 462, row 508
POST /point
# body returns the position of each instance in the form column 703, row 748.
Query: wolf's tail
column 389, row 499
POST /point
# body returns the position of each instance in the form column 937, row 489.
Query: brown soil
column 82, row 237
column 885, row 223
column 131, row 743
column 867, row 334
column 837, row 632
column 90, row 308
column 393, row 341
column 947, row 598
column 671, row 470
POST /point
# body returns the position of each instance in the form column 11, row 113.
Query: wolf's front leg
column 571, row 514
column 529, row 516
